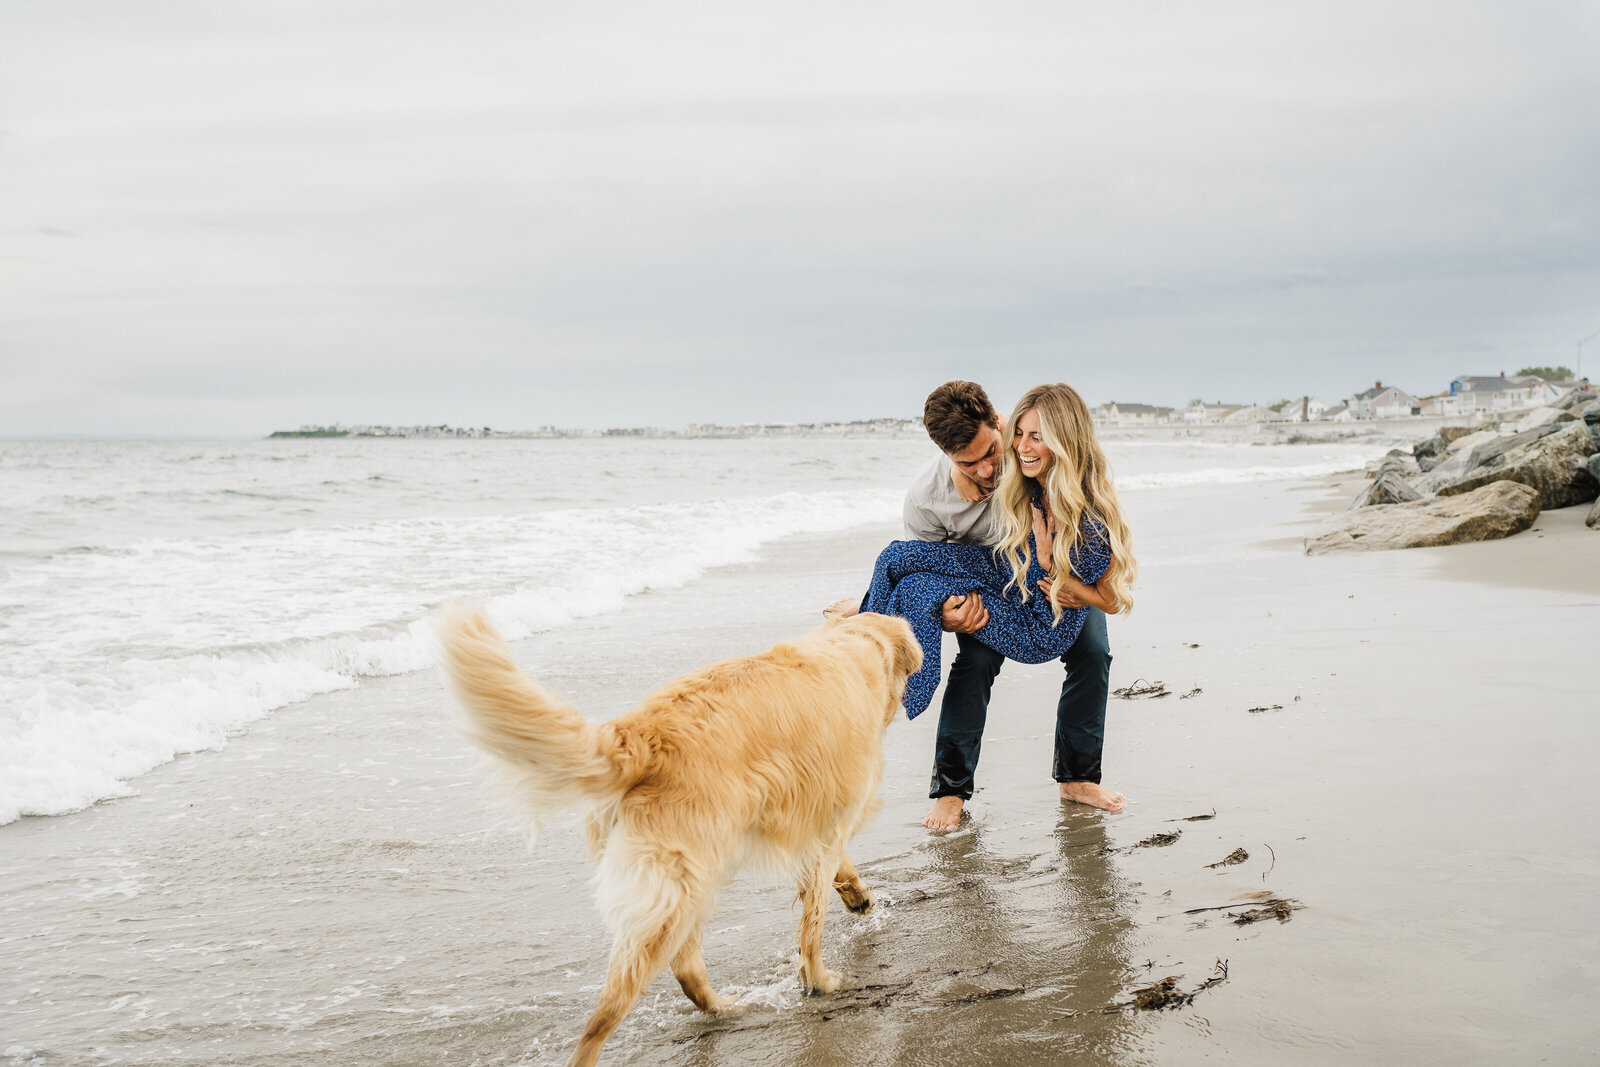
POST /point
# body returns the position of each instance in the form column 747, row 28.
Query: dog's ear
column 907, row 653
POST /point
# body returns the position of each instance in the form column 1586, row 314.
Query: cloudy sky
column 226, row 218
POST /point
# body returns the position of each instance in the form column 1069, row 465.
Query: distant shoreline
column 858, row 427
column 1262, row 433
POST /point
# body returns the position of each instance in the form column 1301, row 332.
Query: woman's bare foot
column 945, row 814
column 1093, row 794
column 842, row 609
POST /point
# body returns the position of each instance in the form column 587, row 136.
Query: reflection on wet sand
column 978, row 951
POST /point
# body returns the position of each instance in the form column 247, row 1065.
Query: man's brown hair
column 955, row 412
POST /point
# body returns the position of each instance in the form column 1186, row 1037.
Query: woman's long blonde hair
column 1078, row 483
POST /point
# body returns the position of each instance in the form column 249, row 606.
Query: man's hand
column 965, row 614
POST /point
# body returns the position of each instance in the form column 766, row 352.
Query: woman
column 1064, row 532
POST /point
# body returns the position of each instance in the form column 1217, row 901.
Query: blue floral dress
column 912, row 579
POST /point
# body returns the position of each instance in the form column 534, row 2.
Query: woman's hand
column 1070, row 593
column 1044, row 536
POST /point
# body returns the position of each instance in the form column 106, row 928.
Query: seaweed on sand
column 1280, row 908
column 1233, row 858
column 1141, row 688
column 1164, row 995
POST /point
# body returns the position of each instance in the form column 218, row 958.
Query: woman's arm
column 1071, row 593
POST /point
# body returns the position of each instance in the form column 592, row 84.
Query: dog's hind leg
column 636, row 958
column 813, row 910
column 689, row 968
column 653, row 915
column 856, row 897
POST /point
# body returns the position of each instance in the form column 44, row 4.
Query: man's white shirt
column 936, row 511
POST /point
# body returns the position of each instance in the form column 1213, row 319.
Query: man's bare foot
column 842, row 609
column 1093, row 794
column 945, row 814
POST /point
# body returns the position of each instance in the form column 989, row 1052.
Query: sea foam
column 136, row 654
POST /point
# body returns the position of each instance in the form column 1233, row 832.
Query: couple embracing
column 1015, row 542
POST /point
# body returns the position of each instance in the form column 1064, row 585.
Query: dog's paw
column 856, row 897
column 823, row 981
column 718, row 1004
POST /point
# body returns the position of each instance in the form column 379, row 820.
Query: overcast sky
column 229, row 218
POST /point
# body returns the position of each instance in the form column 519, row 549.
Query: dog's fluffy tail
column 547, row 755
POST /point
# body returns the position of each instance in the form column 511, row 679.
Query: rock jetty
column 1475, row 484
column 1593, row 521
column 1498, row 509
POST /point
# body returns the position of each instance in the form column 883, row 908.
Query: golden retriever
column 770, row 761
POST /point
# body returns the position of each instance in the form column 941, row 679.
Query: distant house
column 1247, row 415
column 1306, row 409
column 1472, row 393
column 1338, row 413
column 1384, row 402
column 1201, row 413
column 1115, row 414
column 1541, row 391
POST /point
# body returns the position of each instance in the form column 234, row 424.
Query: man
column 950, row 501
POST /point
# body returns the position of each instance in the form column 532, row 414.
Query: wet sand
column 330, row 888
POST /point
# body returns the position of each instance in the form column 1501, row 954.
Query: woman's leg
column 1081, row 717
column 907, row 581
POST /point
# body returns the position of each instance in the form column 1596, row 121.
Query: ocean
column 158, row 597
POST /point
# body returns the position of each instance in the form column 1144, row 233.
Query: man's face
column 980, row 460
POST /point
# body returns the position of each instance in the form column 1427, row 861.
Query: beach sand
column 331, row 888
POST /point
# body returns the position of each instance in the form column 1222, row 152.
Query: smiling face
column 980, row 460
column 1033, row 456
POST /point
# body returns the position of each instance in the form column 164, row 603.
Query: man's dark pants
column 1080, row 713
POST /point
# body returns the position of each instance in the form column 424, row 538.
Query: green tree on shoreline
column 1549, row 374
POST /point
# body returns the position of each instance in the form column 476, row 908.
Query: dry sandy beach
column 330, row 888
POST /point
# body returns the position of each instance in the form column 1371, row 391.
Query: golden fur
column 771, row 760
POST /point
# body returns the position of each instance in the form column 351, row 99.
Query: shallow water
column 330, row 888
column 156, row 596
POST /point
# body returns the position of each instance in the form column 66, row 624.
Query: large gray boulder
column 1593, row 520
column 1468, row 441
column 1542, row 416
column 1556, row 466
column 1428, row 448
column 1499, row 446
column 1468, row 453
column 1594, row 466
column 1452, row 468
column 1448, row 434
column 1573, row 398
column 1398, row 462
column 1386, row 488
column 1499, row 509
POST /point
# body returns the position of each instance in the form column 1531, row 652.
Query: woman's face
column 1032, row 455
